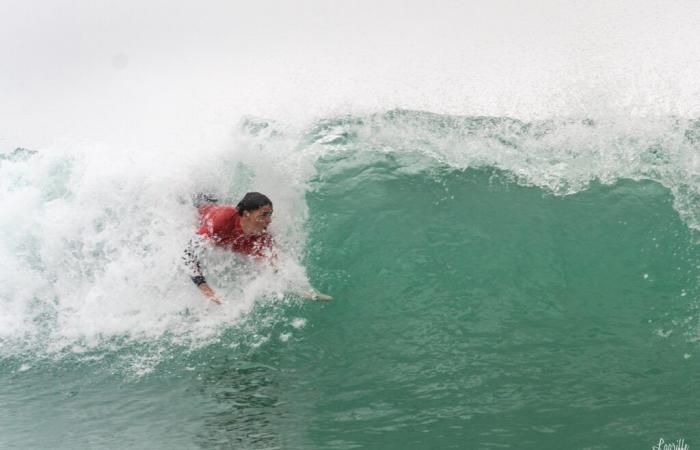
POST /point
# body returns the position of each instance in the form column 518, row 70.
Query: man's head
column 255, row 210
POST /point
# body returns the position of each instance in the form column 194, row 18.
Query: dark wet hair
column 252, row 201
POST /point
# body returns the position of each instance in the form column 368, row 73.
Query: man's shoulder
column 218, row 210
column 219, row 217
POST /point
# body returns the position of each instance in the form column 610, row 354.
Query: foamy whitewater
column 503, row 201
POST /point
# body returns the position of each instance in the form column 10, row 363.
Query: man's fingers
column 215, row 299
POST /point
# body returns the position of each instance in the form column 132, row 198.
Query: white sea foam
column 92, row 246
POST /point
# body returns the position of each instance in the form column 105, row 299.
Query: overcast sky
column 179, row 73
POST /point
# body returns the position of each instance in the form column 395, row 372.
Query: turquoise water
column 496, row 284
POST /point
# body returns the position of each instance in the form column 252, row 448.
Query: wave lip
column 563, row 156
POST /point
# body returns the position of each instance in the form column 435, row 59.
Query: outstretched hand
column 317, row 296
column 216, row 300
column 210, row 294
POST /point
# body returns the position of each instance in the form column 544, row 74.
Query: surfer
column 241, row 229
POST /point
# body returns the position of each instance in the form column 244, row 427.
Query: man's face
column 261, row 218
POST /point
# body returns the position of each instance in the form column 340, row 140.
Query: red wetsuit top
column 222, row 225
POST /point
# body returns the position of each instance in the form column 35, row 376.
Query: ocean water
column 497, row 283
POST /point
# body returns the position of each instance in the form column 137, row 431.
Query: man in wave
column 241, row 229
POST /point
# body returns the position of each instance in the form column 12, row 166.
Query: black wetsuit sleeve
column 199, row 280
column 191, row 259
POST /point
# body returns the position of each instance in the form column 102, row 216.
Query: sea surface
column 497, row 283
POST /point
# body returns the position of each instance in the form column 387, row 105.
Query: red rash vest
column 222, row 226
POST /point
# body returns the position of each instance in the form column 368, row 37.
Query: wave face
column 497, row 282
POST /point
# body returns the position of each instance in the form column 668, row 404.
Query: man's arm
column 209, row 293
column 308, row 293
column 191, row 258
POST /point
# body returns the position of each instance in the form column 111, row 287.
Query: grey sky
column 179, row 73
